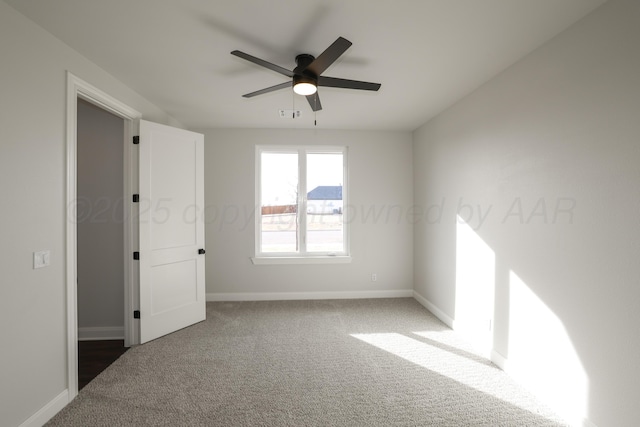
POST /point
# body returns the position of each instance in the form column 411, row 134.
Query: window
column 300, row 196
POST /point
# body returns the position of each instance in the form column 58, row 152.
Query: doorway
column 79, row 91
column 100, row 239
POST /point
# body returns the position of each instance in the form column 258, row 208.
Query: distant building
column 325, row 199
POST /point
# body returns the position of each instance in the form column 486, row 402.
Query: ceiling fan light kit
column 306, row 77
column 304, row 85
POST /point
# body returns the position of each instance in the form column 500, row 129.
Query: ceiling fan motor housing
column 302, row 75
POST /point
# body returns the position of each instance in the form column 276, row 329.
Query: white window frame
column 302, row 256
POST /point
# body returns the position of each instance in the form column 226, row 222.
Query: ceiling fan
column 306, row 77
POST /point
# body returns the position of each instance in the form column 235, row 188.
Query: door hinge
column 136, row 255
column 136, row 198
column 136, row 314
column 201, row 251
column 136, row 140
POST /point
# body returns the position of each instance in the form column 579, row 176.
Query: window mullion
column 302, row 200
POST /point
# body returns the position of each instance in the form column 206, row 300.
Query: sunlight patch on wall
column 475, row 287
column 541, row 354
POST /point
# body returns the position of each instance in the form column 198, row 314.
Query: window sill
column 274, row 260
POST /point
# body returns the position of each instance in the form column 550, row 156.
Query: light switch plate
column 41, row 259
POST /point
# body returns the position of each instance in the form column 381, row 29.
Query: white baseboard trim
column 434, row 310
column 101, row 333
column 281, row 296
column 47, row 411
column 499, row 360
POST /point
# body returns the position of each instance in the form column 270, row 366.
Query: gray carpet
column 382, row 362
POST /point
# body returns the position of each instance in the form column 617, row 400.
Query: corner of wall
column 433, row 309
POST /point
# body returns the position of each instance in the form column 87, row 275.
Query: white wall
column 547, row 154
column 380, row 181
column 33, row 371
column 100, row 223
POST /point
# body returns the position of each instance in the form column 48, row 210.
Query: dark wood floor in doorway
column 95, row 356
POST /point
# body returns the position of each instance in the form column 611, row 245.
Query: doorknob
column 201, row 251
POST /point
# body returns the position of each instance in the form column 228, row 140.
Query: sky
column 280, row 175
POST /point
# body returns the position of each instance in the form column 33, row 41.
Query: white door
column 172, row 289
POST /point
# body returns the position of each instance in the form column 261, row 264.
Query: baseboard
column 281, row 296
column 499, row 360
column 47, row 411
column 434, row 310
column 101, row 333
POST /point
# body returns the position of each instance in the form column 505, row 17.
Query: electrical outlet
column 374, row 277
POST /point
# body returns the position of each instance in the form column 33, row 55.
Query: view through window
column 301, row 199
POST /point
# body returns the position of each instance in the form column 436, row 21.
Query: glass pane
column 279, row 194
column 324, row 202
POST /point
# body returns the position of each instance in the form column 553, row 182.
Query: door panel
column 168, row 290
column 172, row 288
column 173, row 174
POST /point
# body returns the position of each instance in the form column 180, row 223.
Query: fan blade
column 329, row 56
column 347, row 84
column 263, row 63
column 268, row 89
column 314, row 101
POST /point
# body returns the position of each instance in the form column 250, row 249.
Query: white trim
column 282, row 296
column 499, row 360
column 101, row 333
column 77, row 88
column 434, row 310
column 130, row 186
column 47, row 411
column 71, row 243
column 301, row 260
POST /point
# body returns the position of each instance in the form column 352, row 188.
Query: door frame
column 78, row 88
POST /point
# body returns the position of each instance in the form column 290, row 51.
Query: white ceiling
column 426, row 53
